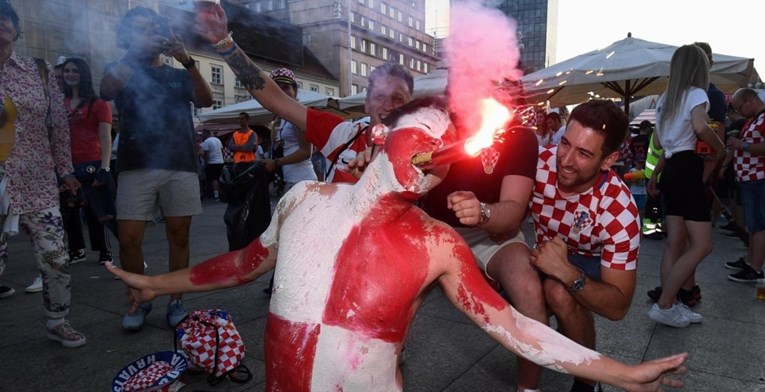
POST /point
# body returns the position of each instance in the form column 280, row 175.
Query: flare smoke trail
column 481, row 51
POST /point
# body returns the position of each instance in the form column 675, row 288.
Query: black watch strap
column 190, row 64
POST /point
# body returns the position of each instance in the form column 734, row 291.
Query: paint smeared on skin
column 230, row 267
column 552, row 350
column 290, row 350
column 395, row 257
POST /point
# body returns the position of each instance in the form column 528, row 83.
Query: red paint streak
column 380, row 274
column 401, row 146
column 233, row 267
column 474, row 293
column 290, row 351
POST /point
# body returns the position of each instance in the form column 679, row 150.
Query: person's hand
column 650, row 376
column 735, row 143
column 551, row 258
column 139, row 290
column 652, row 187
column 466, row 207
column 270, row 165
column 72, row 184
column 356, row 167
column 102, row 177
column 175, row 48
column 211, row 21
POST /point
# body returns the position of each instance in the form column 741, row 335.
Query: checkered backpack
column 212, row 345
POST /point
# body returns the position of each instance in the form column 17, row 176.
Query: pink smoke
column 481, row 51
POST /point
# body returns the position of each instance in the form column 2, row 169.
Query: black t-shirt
column 156, row 125
column 639, row 147
column 517, row 156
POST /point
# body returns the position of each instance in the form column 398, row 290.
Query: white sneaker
column 36, row 286
column 693, row 317
column 673, row 317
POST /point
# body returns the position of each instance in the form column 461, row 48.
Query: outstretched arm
column 227, row 270
column 213, row 26
column 463, row 284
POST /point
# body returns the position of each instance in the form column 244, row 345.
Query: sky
column 731, row 27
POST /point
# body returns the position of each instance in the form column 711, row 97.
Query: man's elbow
column 617, row 313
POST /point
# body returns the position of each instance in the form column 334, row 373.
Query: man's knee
column 178, row 230
column 130, row 234
column 512, row 268
column 557, row 297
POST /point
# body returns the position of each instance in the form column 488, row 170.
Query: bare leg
column 131, row 238
column 699, row 240
column 574, row 320
column 521, row 281
column 177, row 231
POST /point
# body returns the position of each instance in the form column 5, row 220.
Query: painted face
column 71, row 74
column 7, row 32
column 580, row 159
column 425, row 130
column 388, row 94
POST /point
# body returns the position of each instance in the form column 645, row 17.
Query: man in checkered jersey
column 587, row 230
column 749, row 164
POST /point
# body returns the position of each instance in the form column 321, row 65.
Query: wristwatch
column 578, row 283
column 106, row 169
column 190, row 63
column 485, row 213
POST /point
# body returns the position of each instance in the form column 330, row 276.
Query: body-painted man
column 342, row 304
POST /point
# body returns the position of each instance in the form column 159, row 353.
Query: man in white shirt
column 554, row 125
column 213, row 154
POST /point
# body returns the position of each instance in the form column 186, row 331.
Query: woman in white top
column 681, row 124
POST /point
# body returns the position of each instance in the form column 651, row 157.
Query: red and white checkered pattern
column 489, row 158
column 197, row 337
column 603, row 221
column 751, row 167
column 148, row 377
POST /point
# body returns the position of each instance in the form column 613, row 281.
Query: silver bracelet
column 228, row 40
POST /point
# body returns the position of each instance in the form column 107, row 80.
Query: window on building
column 425, row 47
column 354, row 67
column 411, row 63
column 417, row 24
column 217, row 104
column 300, row 85
column 258, row 8
column 281, row 4
column 401, row 59
column 392, row 34
column 383, row 29
column 371, row 25
column 371, row 3
column 425, row 67
column 314, row 87
column 238, row 83
column 419, row 65
column 353, row 17
column 383, row 8
column 410, row 40
column 417, row 44
column 329, row 91
column 371, row 68
column 216, row 74
column 353, row 41
column 401, row 37
column 362, row 21
column 372, row 49
column 392, row 12
column 364, row 69
column 400, row 16
column 354, row 89
column 269, row 5
column 364, row 45
column 411, row 22
column 384, row 53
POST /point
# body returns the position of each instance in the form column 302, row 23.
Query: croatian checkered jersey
column 600, row 222
column 751, row 167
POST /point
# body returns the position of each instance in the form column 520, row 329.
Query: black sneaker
column 583, row 387
column 104, row 257
column 76, row 256
column 654, row 294
column 737, row 265
column 6, row 291
column 746, row 275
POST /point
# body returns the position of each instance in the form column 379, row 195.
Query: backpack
column 212, row 345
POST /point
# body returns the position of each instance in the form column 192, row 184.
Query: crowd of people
column 395, row 227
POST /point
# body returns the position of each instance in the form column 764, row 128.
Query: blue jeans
column 753, row 201
column 590, row 265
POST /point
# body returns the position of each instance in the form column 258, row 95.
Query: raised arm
column 463, row 284
column 227, row 270
column 213, row 26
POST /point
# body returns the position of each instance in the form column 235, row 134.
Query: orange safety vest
column 240, row 139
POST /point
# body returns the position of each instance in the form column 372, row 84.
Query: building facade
column 537, row 30
column 351, row 44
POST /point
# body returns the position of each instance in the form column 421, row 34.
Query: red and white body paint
column 355, row 262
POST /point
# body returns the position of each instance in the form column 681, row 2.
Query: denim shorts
column 753, row 202
column 590, row 265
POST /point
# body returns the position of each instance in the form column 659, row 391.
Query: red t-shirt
column 83, row 125
column 329, row 133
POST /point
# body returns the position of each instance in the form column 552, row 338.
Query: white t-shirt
column 558, row 135
column 299, row 171
column 678, row 135
column 214, row 149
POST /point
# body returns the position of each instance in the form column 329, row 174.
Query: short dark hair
column 645, row 124
column 605, row 118
column 125, row 26
column 6, row 8
column 554, row 115
column 244, row 114
column 391, row 69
